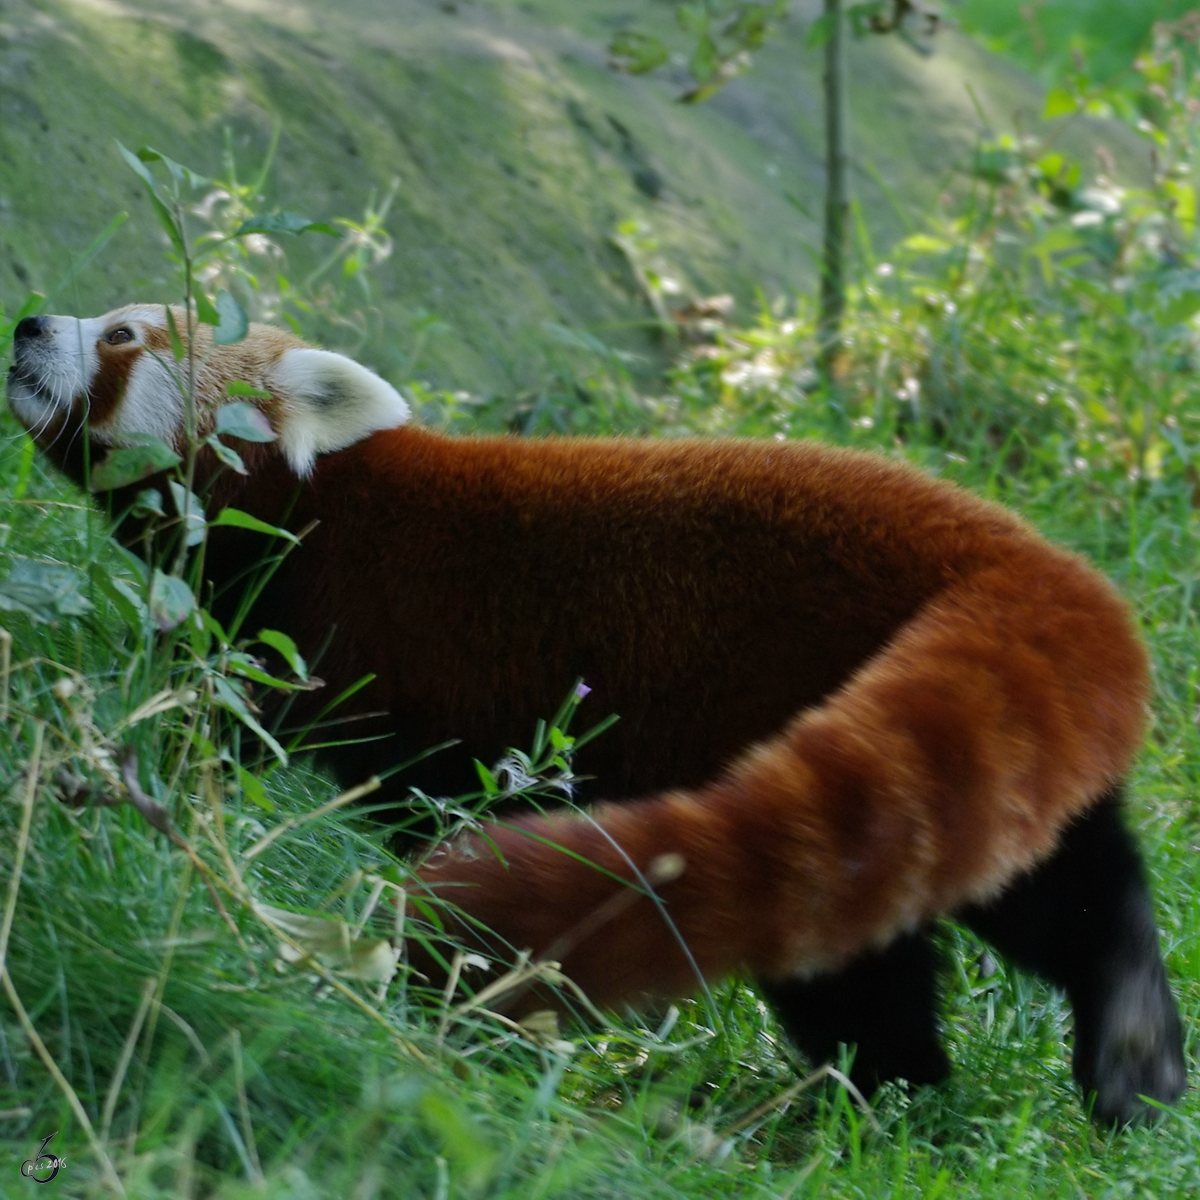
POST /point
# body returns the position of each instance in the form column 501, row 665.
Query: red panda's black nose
column 31, row 327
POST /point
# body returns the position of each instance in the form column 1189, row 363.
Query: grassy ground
column 184, row 1027
column 206, row 1065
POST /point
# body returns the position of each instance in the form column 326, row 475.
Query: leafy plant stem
column 837, row 188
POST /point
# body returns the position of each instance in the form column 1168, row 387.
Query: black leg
column 1084, row 921
column 885, row 1003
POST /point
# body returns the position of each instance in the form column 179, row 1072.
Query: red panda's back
column 705, row 591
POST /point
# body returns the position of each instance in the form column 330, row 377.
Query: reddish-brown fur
column 875, row 697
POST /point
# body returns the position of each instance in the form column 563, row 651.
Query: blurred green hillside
column 1101, row 36
column 515, row 153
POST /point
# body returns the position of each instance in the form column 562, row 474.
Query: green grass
column 1038, row 359
column 339, row 1100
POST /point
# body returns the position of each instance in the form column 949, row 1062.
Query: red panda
column 852, row 698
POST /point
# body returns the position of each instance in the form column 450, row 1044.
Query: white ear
column 330, row 402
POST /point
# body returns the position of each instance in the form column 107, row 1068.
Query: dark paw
column 1136, row 1050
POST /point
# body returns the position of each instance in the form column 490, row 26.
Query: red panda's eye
column 119, row 337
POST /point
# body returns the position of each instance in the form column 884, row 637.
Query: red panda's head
column 112, row 378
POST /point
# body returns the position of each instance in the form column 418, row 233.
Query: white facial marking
column 57, row 368
column 50, row 371
column 152, row 404
column 330, row 402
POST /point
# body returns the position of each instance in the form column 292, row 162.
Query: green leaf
column 199, row 636
column 213, row 626
column 149, row 503
column 228, row 697
column 24, row 468
column 871, row 16
column 43, row 591
column 233, row 324
column 205, row 311
column 462, row 1140
column 820, row 31
column 636, row 52
column 133, row 564
column 171, row 600
column 490, row 785
column 286, row 648
column 125, row 600
column 1055, row 241
column 998, row 160
column 130, row 464
column 752, row 24
column 1059, row 171
column 246, row 667
column 239, row 387
column 703, row 91
column 188, row 506
column 241, row 520
column 253, row 790
column 177, row 349
column 1051, row 165
column 1059, row 103
column 750, row 28
column 138, row 167
column 705, row 60
column 166, row 218
column 924, row 243
column 179, row 172
column 692, row 18
column 245, row 421
column 1183, row 202
column 230, row 457
column 283, row 222
column 1175, row 438
column 1179, row 308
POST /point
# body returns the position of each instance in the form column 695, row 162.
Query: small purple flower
column 581, row 690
